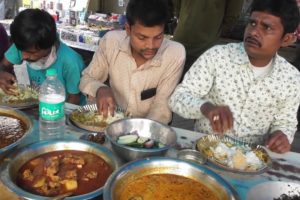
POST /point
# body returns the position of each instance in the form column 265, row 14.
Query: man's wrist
column 206, row 108
column 3, row 68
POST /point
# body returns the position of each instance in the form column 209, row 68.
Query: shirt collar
column 240, row 57
column 155, row 61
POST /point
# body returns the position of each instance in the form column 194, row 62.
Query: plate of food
column 233, row 155
column 280, row 191
column 24, row 97
column 88, row 118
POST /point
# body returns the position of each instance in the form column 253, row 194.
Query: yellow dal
column 166, row 186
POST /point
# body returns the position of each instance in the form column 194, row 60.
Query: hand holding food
column 19, row 95
column 278, row 142
column 220, row 117
column 231, row 154
column 88, row 118
column 105, row 101
column 7, row 81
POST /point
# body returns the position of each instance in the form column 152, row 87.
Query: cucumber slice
column 127, row 139
column 161, row 145
column 142, row 140
column 135, row 145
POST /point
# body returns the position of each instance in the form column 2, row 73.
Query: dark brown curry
column 11, row 129
column 60, row 172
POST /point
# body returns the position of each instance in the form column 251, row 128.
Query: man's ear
column 288, row 39
column 127, row 28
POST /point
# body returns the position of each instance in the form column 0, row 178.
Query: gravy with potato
column 61, row 172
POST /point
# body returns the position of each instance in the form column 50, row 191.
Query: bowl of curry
column 14, row 127
column 50, row 169
column 163, row 178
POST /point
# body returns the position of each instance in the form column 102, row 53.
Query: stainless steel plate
column 204, row 144
column 26, row 103
column 273, row 190
column 89, row 127
column 31, row 104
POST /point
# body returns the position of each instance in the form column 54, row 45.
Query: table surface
column 285, row 167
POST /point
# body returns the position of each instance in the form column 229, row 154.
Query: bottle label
column 50, row 111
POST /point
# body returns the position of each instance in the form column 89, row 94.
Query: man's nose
column 254, row 31
column 150, row 44
column 26, row 56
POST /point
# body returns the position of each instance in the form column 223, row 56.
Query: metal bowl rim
column 142, row 150
column 144, row 161
column 188, row 154
column 6, row 165
column 28, row 131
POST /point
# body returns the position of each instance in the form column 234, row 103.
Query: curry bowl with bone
column 233, row 155
column 49, row 169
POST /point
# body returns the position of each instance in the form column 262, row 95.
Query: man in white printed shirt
column 143, row 68
column 247, row 90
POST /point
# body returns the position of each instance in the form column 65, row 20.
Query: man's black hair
column 286, row 10
column 33, row 28
column 147, row 12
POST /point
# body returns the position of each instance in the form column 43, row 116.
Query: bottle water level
column 52, row 129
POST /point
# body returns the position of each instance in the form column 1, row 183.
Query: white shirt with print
column 223, row 76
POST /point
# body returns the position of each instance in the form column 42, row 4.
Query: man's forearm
column 2, row 68
column 6, row 66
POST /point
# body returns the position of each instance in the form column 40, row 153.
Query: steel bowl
column 162, row 165
column 145, row 128
column 11, row 166
column 22, row 116
column 191, row 156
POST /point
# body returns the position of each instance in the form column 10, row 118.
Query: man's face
column 264, row 36
column 33, row 54
column 145, row 41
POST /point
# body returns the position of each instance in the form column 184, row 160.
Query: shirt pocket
column 144, row 105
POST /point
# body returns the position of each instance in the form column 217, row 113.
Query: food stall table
column 285, row 167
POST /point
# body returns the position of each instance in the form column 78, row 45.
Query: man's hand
column 105, row 101
column 220, row 117
column 6, row 83
column 278, row 142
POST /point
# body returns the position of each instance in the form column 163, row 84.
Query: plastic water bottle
column 51, row 107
